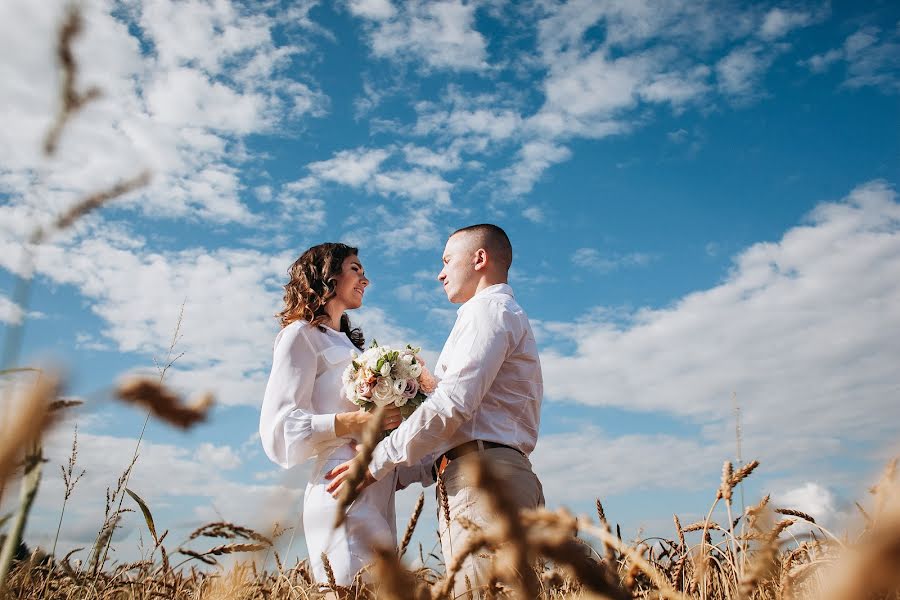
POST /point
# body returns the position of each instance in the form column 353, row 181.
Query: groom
column 488, row 398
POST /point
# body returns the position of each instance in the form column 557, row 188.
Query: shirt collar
column 497, row 288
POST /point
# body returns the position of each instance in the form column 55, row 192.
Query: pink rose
column 364, row 389
column 411, row 389
column 427, row 382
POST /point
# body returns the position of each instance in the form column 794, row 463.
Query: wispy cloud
column 871, row 57
column 595, row 260
column 437, row 35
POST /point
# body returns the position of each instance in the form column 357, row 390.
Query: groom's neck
column 486, row 282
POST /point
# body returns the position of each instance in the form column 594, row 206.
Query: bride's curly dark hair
column 311, row 286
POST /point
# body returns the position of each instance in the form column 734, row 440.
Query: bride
column 304, row 415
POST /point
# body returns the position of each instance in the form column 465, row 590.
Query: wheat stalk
column 357, row 471
column 163, row 403
column 411, row 526
column 72, row 100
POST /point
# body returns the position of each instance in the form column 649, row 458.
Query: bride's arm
column 289, row 429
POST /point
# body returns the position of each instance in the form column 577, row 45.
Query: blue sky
column 701, row 197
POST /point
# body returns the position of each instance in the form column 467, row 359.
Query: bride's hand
column 352, row 424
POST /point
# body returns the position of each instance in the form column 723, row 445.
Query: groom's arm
column 485, row 336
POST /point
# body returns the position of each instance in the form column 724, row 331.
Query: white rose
column 407, row 359
column 383, row 392
column 385, row 369
column 415, row 370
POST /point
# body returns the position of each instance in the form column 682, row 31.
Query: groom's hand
column 341, row 473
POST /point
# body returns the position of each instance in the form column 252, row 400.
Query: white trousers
column 514, row 470
column 371, row 522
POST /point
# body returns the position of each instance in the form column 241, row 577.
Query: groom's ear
column 481, row 259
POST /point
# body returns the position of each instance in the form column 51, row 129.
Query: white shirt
column 304, row 393
column 490, row 386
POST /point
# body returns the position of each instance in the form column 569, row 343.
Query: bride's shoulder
column 294, row 330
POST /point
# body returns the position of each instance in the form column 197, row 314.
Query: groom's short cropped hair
column 493, row 239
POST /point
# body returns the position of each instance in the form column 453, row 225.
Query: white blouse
column 304, row 394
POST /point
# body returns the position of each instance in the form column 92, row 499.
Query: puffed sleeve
column 288, row 428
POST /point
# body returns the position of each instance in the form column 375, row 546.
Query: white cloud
column 534, row 214
column 531, row 161
column 212, row 75
column 421, row 192
column 308, row 213
column 596, row 86
column 870, row 56
column 217, row 457
column 872, row 59
column 350, row 167
column 185, row 97
column 441, row 34
column 609, row 465
column 819, row 63
column 592, row 258
column 447, row 160
column 415, row 185
column 739, row 73
column 377, row 10
column 779, row 22
column 230, row 297
column 10, row 312
column 677, row 88
column 802, row 330
column 810, row 497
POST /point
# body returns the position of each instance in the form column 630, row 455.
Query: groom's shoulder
column 495, row 303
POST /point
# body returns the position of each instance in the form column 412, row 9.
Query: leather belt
column 463, row 449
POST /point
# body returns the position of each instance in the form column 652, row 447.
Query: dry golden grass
column 163, row 403
column 541, row 554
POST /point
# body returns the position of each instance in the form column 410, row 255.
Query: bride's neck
column 334, row 312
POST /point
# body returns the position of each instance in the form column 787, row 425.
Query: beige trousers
column 465, row 500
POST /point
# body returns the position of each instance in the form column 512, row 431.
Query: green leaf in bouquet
column 356, row 365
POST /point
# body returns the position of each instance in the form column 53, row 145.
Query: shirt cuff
column 379, row 465
column 322, row 427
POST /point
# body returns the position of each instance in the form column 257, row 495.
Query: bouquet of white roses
column 383, row 376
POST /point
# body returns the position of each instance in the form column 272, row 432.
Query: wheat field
column 764, row 552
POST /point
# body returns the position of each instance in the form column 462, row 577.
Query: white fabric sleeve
column 486, row 335
column 420, row 473
column 287, row 426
